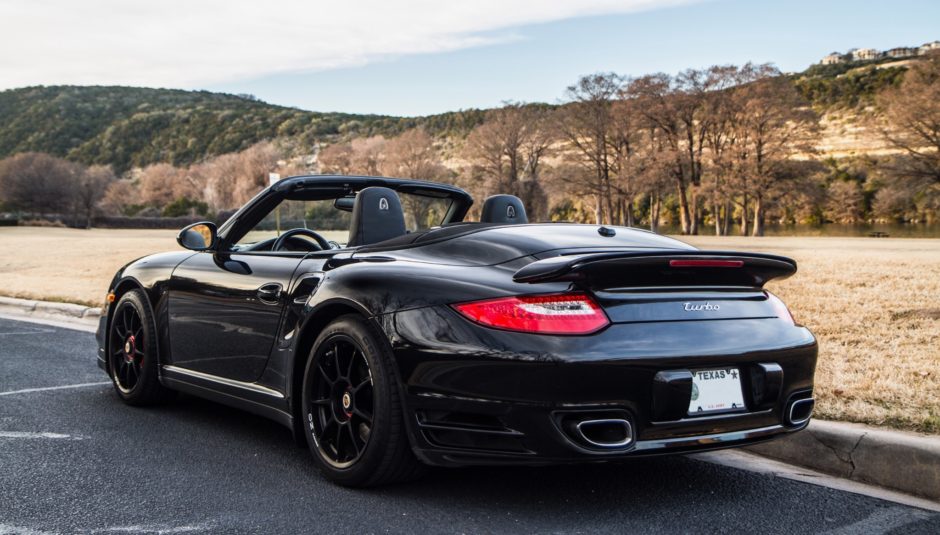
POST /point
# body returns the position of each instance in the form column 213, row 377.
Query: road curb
column 65, row 312
column 907, row 462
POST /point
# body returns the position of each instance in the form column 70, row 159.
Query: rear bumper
column 479, row 396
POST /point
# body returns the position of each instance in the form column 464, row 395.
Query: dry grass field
column 873, row 304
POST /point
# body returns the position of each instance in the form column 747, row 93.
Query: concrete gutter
column 908, row 462
column 69, row 313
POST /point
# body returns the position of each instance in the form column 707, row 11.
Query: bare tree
column 337, row 159
column 91, row 185
column 844, row 202
column 118, row 196
column 774, row 125
column 38, row 183
column 585, row 125
column 675, row 107
column 412, row 155
column 912, row 112
column 367, row 155
column 160, row 184
column 507, row 151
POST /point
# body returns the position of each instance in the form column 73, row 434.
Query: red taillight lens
column 707, row 263
column 781, row 309
column 573, row 313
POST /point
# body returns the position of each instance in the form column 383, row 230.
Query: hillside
column 128, row 127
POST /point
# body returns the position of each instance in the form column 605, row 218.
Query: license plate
column 716, row 390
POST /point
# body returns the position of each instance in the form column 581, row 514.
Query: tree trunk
column 598, row 210
column 744, row 215
column 685, row 219
column 716, row 211
column 726, row 220
column 628, row 210
column 758, row 216
column 609, row 198
column 654, row 212
column 694, row 213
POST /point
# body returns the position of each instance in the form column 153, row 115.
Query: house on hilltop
column 832, row 59
column 901, row 52
column 928, row 47
column 863, row 54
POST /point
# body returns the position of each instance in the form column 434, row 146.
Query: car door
column 224, row 310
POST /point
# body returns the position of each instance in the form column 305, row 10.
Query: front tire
column 132, row 352
column 353, row 418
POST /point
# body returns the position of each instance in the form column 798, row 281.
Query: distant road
column 73, row 459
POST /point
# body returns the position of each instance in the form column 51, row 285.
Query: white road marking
column 755, row 463
column 156, row 528
column 36, row 331
column 28, row 435
column 84, row 325
column 6, row 529
column 48, row 388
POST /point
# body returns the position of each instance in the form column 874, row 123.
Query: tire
column 352, row 413
column 132, row 352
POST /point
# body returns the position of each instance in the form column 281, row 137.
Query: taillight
column 707, row 263
column 780, row 308
column 571, row 313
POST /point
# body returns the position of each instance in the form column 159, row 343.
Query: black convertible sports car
column 425, row 339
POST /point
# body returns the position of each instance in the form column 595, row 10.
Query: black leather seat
column 376, row 216
column 503, row 209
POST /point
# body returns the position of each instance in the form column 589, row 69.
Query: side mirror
column 198, row 236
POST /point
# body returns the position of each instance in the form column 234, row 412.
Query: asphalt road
column 76, row 460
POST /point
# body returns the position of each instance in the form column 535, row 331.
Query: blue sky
column 548, row 57
column 416, row 57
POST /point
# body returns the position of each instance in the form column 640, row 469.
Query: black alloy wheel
column 127, row 341
column 352, row 412
column 342, row 404
column 132, row 352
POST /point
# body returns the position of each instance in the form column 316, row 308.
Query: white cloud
column 186, row 43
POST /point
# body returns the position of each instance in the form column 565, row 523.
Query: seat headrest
column 503, row 209
column 376, row 216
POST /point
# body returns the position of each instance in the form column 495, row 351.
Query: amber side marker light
column 110, row 298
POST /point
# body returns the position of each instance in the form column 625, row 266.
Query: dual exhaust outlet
column 605, row 433
column 618, row 433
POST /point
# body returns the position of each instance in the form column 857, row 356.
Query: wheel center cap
column 347, row 401
column 130, row 347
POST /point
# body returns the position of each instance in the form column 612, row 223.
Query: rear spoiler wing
column 660, row 268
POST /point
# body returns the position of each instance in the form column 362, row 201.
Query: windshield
column 323, row 217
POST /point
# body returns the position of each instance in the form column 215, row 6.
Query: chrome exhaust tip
column 605, row 433
column 800, row 411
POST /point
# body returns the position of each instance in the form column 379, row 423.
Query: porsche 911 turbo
column 425, row 339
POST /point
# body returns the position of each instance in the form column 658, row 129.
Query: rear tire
column 352, row 412
column 132, row 352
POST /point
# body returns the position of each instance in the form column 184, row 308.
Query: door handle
column 270, row 293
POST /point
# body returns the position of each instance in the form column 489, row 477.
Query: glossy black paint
column 237, row 326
